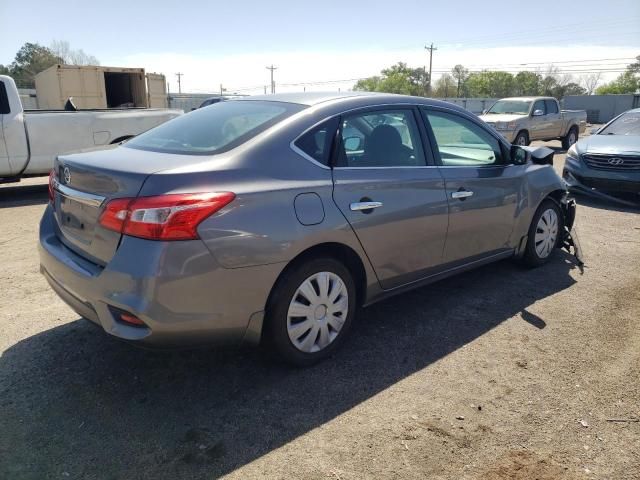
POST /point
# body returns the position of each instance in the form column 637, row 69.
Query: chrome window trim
column 78, row 196
column 465, row 114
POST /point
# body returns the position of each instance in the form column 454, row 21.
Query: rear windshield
column 626, row 124
column 215, row 129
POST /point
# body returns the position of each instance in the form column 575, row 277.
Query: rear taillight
column 52, row 181
column 166, row 217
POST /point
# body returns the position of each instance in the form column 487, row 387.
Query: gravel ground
column 502, row 373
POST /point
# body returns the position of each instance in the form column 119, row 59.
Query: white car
column 31, row 140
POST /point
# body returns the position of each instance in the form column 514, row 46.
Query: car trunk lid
column 87, row 182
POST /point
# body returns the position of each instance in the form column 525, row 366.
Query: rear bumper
column 176, row 288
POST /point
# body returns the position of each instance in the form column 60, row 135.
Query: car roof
column 349, row 99
column 527, row 99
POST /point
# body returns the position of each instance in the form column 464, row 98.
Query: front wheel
column 522, row 139
column 544, row 235
column 311, row 310
column 570, row 138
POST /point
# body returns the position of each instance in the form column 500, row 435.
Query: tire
column 570, row 138
column 521, row 139
column 538, row 254
column 300, row 340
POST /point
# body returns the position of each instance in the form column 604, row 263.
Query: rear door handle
column 358, row 206
column 462, row 194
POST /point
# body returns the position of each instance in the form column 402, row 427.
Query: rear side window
column 4, row 99
column 317, row 142
column 552, row 107
column 215, row 129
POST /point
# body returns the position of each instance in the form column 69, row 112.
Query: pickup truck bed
column 30, row 140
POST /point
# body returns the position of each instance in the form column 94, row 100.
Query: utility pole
column 179, row 75
column 273, row 85
column 221, row 90
column 431, row 49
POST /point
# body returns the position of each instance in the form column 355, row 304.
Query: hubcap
column 546, row 233
column 572, row 138
column 521, row 141
column 317, row 312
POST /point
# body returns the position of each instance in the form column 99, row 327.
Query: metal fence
column 601, row 108
column 28, row 98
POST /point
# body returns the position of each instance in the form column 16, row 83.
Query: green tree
column 627, row 82
column 396, row 79
column 31, row 59
column 445, row 86
column 460, row 74
column 490, row 84
column 526, row 83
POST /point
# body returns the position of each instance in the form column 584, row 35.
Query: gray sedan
column 272, row 219
column 608, row 160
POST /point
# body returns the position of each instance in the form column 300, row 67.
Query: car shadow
column 78, row 403
column 23, row 195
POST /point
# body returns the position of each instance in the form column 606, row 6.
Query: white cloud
column 204, row 73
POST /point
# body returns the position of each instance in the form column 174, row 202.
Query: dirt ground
column 501, row 373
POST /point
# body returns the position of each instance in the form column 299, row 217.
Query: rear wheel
column 544, row 234
column 522, row 139
column 570, row 138
column 311, row 310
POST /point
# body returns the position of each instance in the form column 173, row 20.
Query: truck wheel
column 545, row 234
column 570, row 138
column 522, row 139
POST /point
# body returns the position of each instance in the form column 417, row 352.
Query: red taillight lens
column 52, row 180
column 166, row 217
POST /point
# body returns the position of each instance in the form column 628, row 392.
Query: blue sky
column 232, row 42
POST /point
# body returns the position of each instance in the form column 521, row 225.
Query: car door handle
column 462, row 194
column 358, row 206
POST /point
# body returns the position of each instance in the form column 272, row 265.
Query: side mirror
column 519, row 156
column 351, row 144
column 539, row 155
column 484, row 112
column 594, row 130
column 538, row 113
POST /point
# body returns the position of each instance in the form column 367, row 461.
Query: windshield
column 215, row 129
column 519, row 107
column 626, row 124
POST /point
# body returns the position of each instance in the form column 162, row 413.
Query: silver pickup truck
column 524, row 119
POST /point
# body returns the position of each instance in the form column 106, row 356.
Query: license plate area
column 77, row 219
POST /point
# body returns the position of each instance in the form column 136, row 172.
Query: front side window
column 386, row 138
column 552, row 106
column 626, row 124
column 539, row 105
column 317, row 142
column 461, row 142
column 215, row 129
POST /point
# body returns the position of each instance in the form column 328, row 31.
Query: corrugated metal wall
column 601, row 108
column 474, row 105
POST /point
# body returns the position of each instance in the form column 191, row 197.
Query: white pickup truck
column 31, row 140
column 524, row 119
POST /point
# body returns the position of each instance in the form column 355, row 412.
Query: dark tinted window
column 215, row 129
column 385, row 138
column 317, row 142
column 461, row 142
column 552, row 106
column 626, row 124
column 4, row 100
column 539, row 105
